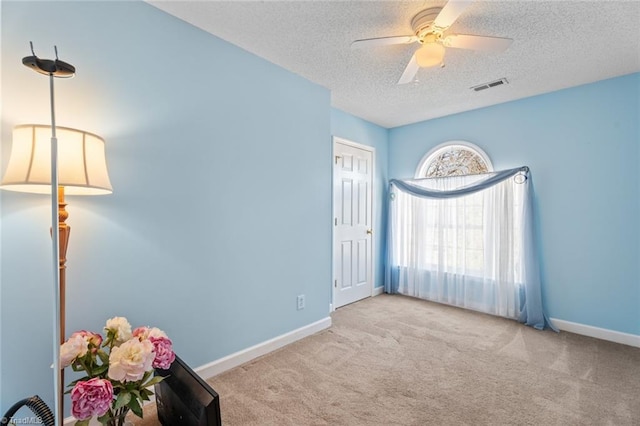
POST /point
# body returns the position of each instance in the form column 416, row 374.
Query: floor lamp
column 56, row 160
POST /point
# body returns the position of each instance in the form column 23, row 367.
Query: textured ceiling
column 557, row 44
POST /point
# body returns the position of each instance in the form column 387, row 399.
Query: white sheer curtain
column 462, row 250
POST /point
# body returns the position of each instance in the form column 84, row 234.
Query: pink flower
column 76, row 346
column 129, row 361
column 91, row 398
column 141, row 333
column 164, row 354
column 162, row 345
column 144, row 333
column 94, row 340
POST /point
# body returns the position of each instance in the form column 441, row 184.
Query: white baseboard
column 598, row 333
column 230, row 361
column 377, row 291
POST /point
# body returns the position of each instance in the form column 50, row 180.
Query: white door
column 352, row 237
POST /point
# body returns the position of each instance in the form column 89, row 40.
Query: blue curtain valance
column 486, row 180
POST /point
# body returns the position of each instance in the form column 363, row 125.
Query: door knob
column 370, row 231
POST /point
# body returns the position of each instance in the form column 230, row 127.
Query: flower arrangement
column 119, row 370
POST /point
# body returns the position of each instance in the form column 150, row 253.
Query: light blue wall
column 582, row 145
column 356, row 129
column 220, row 163
column 221, row 169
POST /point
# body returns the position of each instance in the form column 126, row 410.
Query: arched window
column 454, row 158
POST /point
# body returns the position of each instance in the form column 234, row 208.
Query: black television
column 184, row 398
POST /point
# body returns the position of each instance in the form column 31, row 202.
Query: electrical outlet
column 300, row 301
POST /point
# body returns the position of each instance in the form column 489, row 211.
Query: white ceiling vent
column 489, row 85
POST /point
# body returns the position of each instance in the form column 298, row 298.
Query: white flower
column 73, row 348
column 120, row 327
column 129, row 361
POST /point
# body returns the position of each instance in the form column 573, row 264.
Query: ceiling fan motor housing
column 422, row 23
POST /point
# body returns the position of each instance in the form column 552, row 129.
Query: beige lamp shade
column 82, row 166
column 430, row 55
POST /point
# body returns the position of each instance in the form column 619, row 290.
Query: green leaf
column 104, row 357
column 99, row 370
column 135, row 407
column 82, row 379
column 82, row 422
column 104, row 418
column 122, row 400
column 153, row 381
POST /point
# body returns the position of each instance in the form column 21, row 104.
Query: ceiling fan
column 429, row 27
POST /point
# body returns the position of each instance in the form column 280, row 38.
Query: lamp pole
column 81, row 155
column 59, row 229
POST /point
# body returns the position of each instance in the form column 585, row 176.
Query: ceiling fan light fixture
column 430, row 55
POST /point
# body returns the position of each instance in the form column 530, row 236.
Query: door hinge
column 335, row 221
column 337, row 158
column 335, row 283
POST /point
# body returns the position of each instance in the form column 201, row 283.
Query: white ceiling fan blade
column 383, row 41
column 410, row 71
column 474, row 42
column 450, row 13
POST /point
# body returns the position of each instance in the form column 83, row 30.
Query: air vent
column 490, row 85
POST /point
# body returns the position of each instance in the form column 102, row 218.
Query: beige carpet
column 394, row 360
